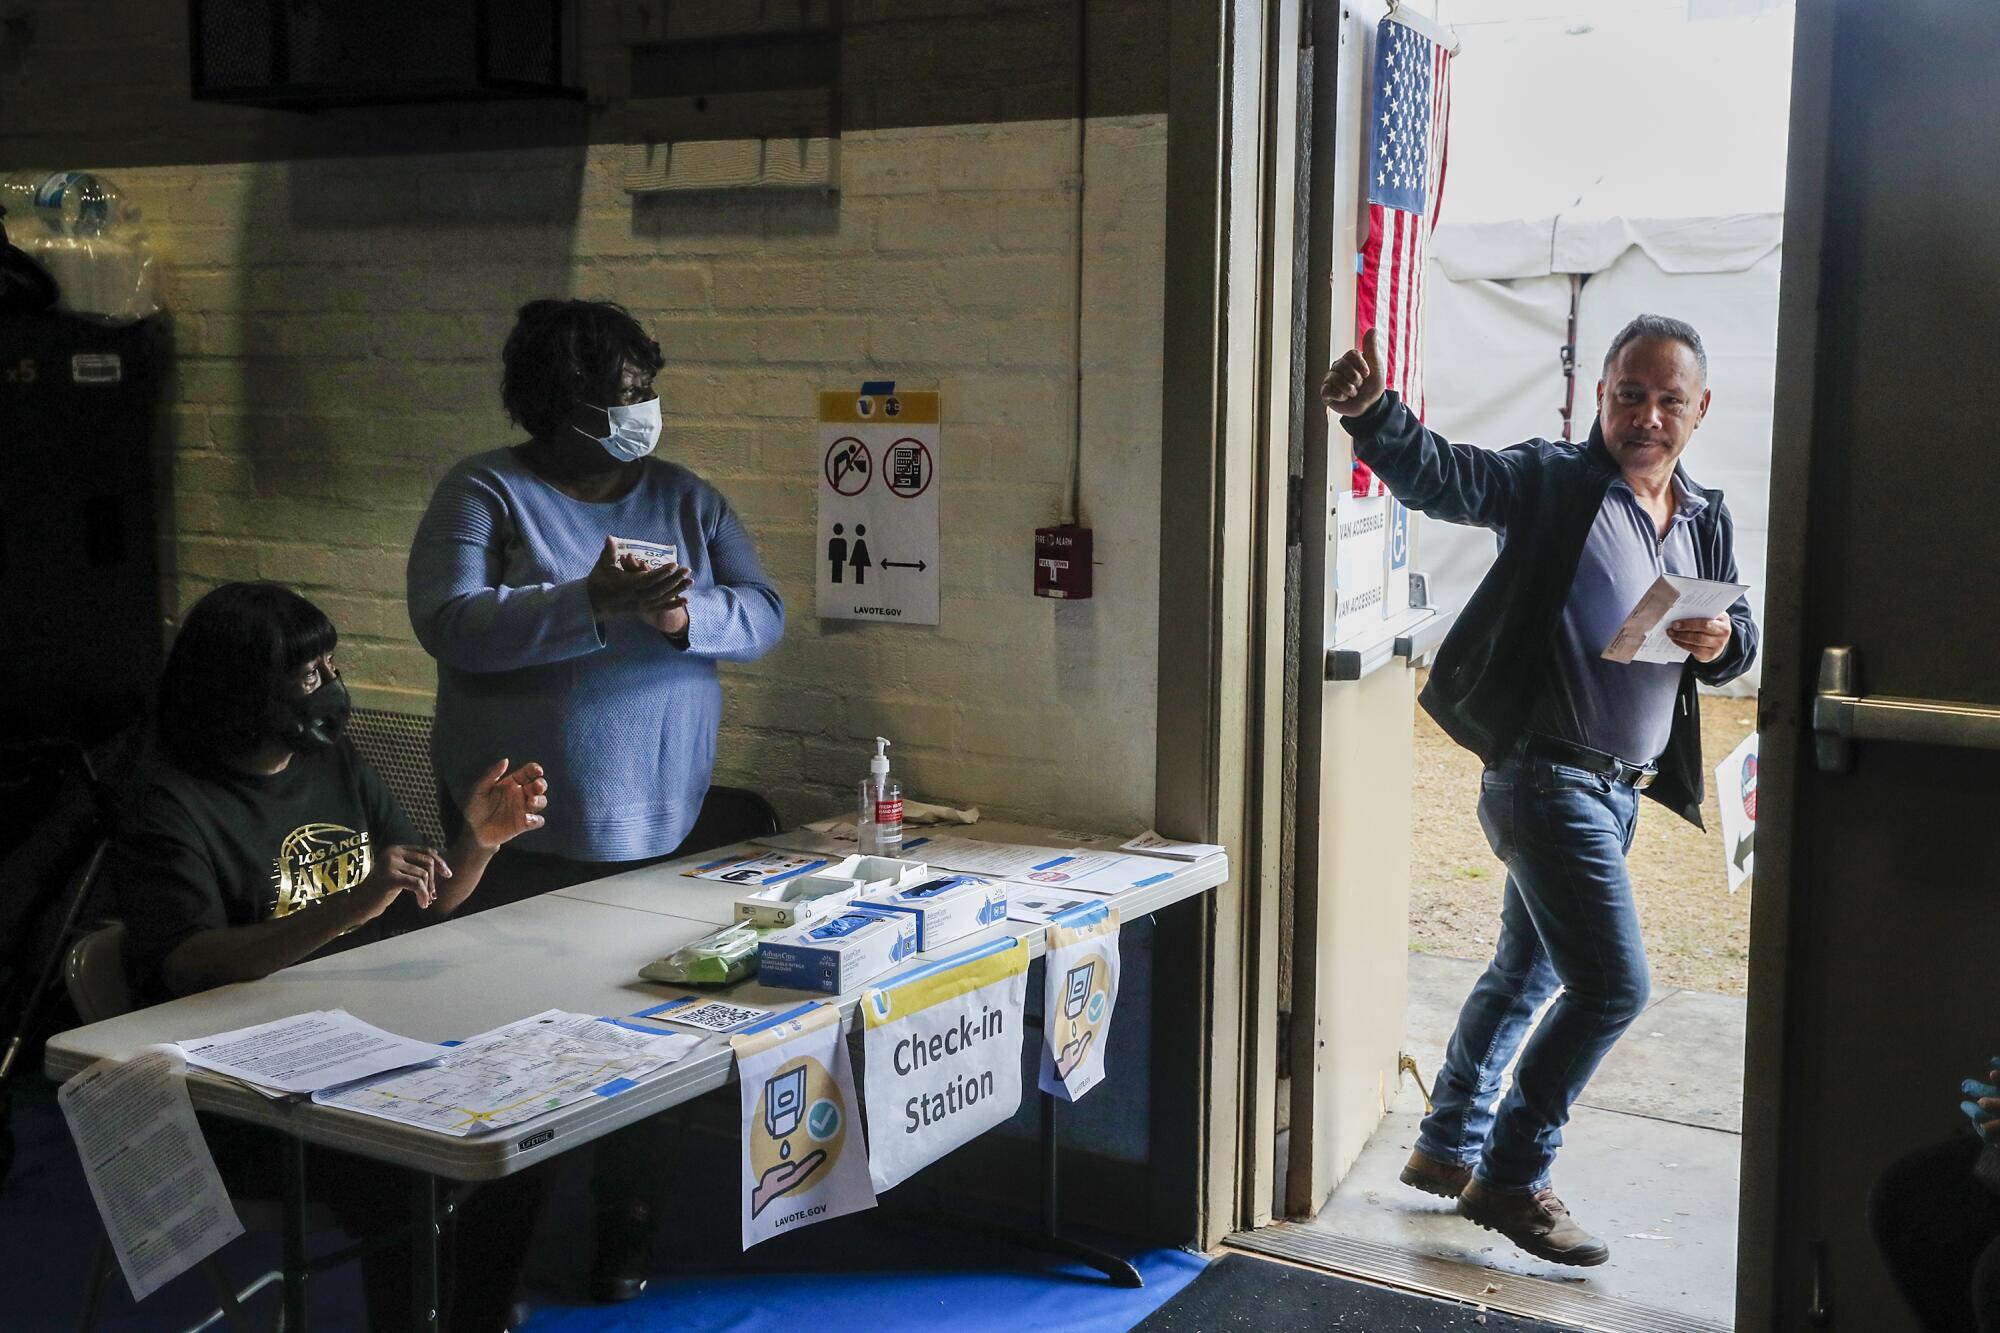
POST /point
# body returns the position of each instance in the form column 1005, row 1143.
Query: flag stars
column 1408, row 85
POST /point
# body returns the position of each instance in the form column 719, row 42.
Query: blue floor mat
column 1027, row 1294
column 871, row 1272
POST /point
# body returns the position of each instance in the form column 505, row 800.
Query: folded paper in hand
column 1673, row 597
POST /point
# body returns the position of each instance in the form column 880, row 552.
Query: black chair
column 729, row 815
column 48, row 884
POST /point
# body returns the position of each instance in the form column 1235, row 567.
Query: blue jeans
column 1568, row 921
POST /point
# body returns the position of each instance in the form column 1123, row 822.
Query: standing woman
column 551, row 641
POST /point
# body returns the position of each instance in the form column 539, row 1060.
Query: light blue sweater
column 623, row 720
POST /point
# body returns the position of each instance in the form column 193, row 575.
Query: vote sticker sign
column 877, row 542
column 1736, row 794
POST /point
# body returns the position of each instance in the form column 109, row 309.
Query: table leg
column 1047, row 1144
column 1121, row 1273
column 293, row 1152
column 423, row 1253
column 102, row 1262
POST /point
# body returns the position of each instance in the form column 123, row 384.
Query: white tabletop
column 578, row 949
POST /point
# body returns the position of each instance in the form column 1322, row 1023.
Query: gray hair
column 1659, row 326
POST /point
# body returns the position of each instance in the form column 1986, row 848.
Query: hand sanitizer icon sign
column 784, row 1105
column 1076, row 988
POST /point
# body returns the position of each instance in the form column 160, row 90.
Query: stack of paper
column 948, row 851
column 973, row 856
column 1077, row 868
column 306, row 1052
column 1094, row 872
column 516, row 1072
column 1152, row 844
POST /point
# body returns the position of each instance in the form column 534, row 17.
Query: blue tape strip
column 794, row 874
column 878, row 386
column 909, row 843
column 662, row 1008
column 614, row 1087
column 723, row 862
column 963, row 956
column 1083, row 914
column 1046, row 865
column 1156, row 879
column 776, row 1019
column 631, row 1027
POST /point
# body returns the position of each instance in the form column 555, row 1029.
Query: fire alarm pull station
column 1062, row 562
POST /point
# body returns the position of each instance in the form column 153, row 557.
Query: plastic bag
column 720, row 958
column 80, row 230
column 25, row 286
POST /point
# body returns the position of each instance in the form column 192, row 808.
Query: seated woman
column 254, row 838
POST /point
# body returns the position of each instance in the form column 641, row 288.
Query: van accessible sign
column 943, row 1051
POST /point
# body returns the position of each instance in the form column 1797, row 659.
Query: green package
column 717, row 959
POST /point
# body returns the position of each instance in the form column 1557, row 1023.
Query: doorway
column 1652, row 1157
column 1650, row 1161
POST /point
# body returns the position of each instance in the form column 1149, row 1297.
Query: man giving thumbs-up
column 1568, row 738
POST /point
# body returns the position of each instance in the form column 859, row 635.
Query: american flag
column 1407, row 125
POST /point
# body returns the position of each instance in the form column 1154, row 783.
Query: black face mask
column 311, row 721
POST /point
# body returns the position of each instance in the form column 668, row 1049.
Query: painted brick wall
column 337, row 322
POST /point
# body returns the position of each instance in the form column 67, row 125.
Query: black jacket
column 1542, row 496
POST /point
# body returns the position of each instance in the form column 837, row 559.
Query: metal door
column 1877, row 914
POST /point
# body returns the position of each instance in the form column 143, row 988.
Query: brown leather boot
column 1537, row 1221
column 1427, row 1173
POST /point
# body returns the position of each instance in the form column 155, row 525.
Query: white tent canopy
column 1648, row 156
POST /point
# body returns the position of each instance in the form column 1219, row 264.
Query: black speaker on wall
column 80, row 623
column 303, row 55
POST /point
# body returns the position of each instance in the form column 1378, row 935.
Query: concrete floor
column 1649, row 1161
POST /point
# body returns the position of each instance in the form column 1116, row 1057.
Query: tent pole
column 1576, row 281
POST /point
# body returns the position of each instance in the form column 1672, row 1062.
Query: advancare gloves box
column 946, row 908
column 837, row 953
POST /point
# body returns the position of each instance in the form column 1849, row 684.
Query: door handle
column 1842, row 715
column 1421, row 632
column 1420, row 641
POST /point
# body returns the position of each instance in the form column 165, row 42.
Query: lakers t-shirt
column 202, row 852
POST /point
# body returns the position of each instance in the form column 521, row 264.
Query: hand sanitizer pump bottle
column 879, row 824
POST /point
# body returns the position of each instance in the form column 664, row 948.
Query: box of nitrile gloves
column 837, row 953
column 803, row 898
column 947, row 907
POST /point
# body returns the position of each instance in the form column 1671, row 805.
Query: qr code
column 715, row 1016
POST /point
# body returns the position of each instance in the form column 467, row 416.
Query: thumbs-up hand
column 1355, row 382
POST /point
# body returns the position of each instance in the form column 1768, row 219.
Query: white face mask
column 635, row 430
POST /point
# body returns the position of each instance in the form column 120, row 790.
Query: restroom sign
column 876, row 546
